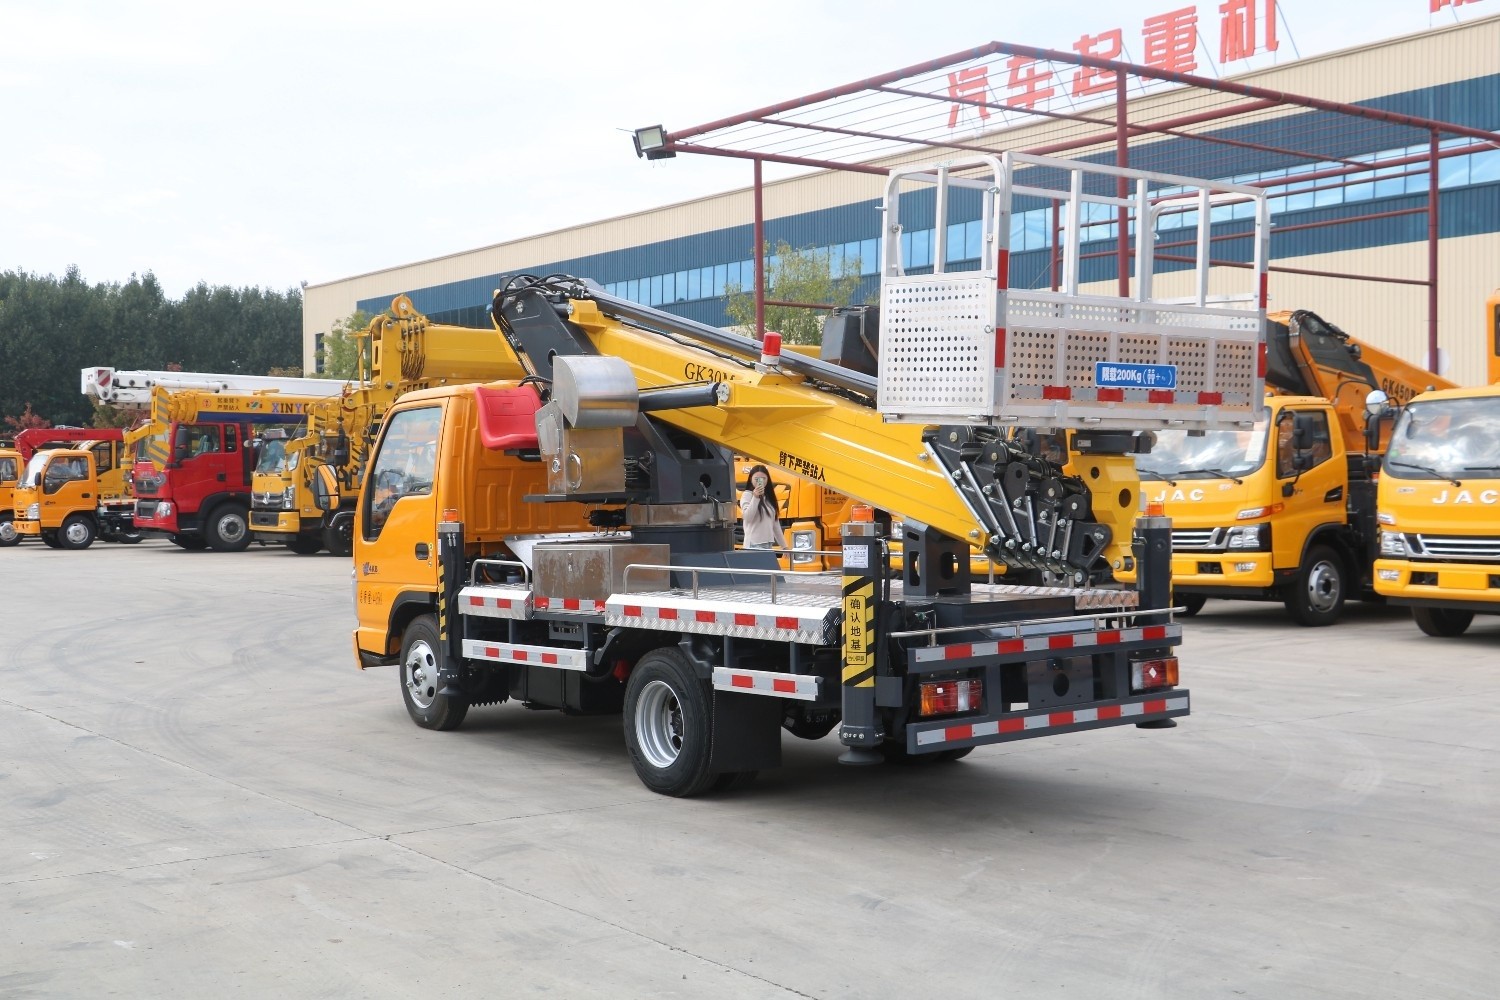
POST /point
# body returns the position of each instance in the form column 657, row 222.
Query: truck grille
column 1203, row 539
column 145, row 508
column 266, row 501
column 1458, row 547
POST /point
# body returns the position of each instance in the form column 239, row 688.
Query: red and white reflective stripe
column 806, row 622
column 568, row 604
column 1117, row 395
column 1050, row 720
column 796, row 686
column 489, row 604
column 531, row 656
column 1046, row 643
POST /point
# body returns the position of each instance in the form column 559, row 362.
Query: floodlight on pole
column 651, row 142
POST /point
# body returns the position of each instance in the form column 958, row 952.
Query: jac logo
column 1177, row 496
column 1465, row 496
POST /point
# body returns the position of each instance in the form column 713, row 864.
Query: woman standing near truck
column 758, row 508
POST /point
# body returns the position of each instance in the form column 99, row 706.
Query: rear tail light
column 951, row 696
column 1147, row 675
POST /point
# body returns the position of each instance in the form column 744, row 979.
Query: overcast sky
column 272, row 143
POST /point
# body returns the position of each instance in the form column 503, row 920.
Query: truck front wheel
column 77, row 532
column 8, row 533
column 228, row 528
column 1443, row 623
column 306, row 545
column 339, row 535
column 1317, row 594
column 421, row 658
column 668, row 730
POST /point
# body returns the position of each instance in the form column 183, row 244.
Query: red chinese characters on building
column 1238, row 38
column 1030, row 82
column 968, row 85
column 1171, row 40
column 1105, row 45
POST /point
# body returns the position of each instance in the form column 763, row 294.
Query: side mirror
column 1375, row 402
column 325, row 489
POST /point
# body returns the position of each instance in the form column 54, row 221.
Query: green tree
column 340, row 353
column 804, row 275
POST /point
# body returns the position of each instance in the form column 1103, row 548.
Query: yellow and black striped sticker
column 859, row 614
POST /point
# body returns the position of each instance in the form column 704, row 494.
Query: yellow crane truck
column 1439, row 500
column 399, row 351
column 709, row 652
column 1284, row 510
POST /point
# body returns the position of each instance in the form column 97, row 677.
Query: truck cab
column 10, row 475
column 200, row 498
column 57, row 498
column 1439, row 505
column 1261, row 514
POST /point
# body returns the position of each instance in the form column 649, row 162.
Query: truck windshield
column 1446, row 439
column 1213, row 454
column 34, row 469
column 274, row 458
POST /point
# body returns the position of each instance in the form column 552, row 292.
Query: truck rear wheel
column 1317, row 594
column 49, row 539
column 421, row 660
column 305, row 545
column 338, row 537
column 126, row 536
column 77, row 532
column 189, row 543
column 1444, row 623
column 668, row 729
column 228, row 528
column 1190, row 604
column 8, row 534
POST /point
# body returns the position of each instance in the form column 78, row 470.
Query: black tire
column 227, row 528
column 189, row 543
column 1191, row 604
column 421, row 659
column 8, row 534
column 805, row 728
column 77, row 532
column 895, row 753
column 49, row 539
column 306, row 545
column 127, row 536
column 338, row 536
column 668, row 725
column 1316, row 597
column 958, row 753
column 1443, row 623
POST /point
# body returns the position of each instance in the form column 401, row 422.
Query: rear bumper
column 952, row 734
column 1472, row 586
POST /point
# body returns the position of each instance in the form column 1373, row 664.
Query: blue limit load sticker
column 1122, row 375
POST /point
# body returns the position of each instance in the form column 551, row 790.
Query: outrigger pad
column 507, row 417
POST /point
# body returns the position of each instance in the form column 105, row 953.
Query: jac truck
column 1285, row 510
column 1439, row 501
column 709, row 652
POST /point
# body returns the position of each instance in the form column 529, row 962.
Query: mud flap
column 746, row 732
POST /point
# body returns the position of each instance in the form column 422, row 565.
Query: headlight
column 289, row 498
column 1385, row 517
column 1393, row 543
column 164, row 509
column 34, row 512
column 1250, row 537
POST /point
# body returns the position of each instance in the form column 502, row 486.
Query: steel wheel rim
column 1323, row 586
column 8, row 532
column 76, row 533
column 658, row 724
column 419, row 673
column 231, row 527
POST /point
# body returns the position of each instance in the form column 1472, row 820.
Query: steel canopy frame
column 864, row 125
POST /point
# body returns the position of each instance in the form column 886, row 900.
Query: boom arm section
column 967, row 483
column 405, row 351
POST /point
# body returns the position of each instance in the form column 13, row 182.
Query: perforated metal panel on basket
column 964, row 348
